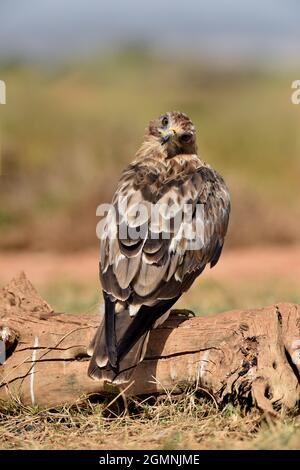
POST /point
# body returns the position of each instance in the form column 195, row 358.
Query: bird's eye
column 186, row 138
column 165, row 121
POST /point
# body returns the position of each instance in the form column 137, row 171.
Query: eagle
column 167, row 221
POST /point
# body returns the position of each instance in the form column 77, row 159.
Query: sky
column 266, row 30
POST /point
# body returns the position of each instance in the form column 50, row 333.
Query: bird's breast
column 155, row 178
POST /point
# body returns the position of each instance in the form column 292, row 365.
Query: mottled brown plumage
column 143, row 276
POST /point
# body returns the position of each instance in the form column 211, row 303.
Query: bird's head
column 175, row 132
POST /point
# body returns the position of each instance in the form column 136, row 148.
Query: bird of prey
column 149, row 258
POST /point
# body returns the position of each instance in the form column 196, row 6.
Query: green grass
column 72, row 297
column 204, row 298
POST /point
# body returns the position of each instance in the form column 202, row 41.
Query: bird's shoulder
column 154, row 177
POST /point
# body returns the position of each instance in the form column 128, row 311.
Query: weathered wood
column 251, row 356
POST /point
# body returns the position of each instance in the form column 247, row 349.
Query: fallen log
column 247, row 356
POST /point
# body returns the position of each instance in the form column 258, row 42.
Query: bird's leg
column 183, row 312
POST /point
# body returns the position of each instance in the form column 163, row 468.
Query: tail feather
column 110, row 332
column 100, row 368
column 142, row 323
column 114, row 358
column 97, row 347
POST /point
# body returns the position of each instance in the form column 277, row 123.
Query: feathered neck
column 151, row 147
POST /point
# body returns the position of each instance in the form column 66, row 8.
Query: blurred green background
column 68, row 131
column 84, row 79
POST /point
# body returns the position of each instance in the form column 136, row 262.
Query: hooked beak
column 168, row 135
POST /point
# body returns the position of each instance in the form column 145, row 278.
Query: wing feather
column 145, row 263
column 148, row 268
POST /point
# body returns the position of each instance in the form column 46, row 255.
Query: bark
column 247, row 356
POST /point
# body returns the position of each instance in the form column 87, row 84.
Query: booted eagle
column 168, row 220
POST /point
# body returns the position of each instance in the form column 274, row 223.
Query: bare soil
column 257, row 263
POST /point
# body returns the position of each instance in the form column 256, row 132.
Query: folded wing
column 157, row 239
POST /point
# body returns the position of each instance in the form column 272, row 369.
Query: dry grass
column 189, row 422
